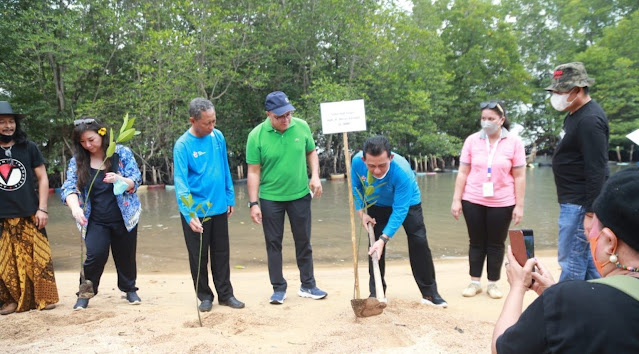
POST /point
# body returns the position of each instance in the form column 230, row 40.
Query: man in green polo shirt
column 277, row 151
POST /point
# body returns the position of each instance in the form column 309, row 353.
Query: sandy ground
column 167, row 321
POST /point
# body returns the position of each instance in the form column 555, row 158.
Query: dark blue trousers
column 421, row 259
column 101, row 237
column 215, row 242
column 299, row 215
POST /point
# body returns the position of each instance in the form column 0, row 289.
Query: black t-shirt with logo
column 18, row 196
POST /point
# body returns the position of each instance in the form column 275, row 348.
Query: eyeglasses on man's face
column 285, row 115
column 83, row 121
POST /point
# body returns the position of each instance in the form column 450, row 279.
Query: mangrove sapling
column 188, row 202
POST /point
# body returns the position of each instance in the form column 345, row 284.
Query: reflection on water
column 161, row 242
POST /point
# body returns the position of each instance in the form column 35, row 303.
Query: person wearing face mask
column 489, row 191
column 595, row 316
column 397, row 203
column 580, row 166
column 27, row 280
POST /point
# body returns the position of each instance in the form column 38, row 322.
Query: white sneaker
column 471, row 290
column 494, row 292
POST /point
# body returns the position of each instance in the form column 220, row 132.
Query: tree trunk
column 155, row 175
column 143, row 173
column 58, row 82
column 618, row 153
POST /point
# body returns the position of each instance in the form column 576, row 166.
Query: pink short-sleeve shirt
column 509, row 154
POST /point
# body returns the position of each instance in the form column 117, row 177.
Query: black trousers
column 215, row 239
column 421, row 259
column 487, row 231
column 299, row 215
column 123, row 243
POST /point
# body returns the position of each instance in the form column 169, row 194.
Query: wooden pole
column 351, row 208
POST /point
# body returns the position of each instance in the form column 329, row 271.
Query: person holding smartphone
column 489, row 191
column 579, row 316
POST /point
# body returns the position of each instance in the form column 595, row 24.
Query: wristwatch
column 250, row 204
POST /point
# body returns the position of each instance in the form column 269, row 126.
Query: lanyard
column 491, row 155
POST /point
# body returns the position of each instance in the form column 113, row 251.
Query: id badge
column 488, row 189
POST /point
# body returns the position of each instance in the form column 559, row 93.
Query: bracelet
column 384, row 238
column 44, row 211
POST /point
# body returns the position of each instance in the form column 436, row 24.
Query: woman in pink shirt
column 489, row 189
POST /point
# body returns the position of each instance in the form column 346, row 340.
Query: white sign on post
column 342, row 117
column 634, row 136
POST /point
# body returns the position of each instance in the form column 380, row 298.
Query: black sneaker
column 81, row 304
column 206, row 305
column 435, row 300
column 133, row 298
column 232, row 302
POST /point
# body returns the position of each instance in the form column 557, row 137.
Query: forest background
column 422, row 68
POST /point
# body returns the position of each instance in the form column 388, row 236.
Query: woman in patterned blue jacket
column 112, row 210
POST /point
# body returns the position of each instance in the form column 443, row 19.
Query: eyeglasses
column 284, row 116
column 491, row 105
column 83, row 121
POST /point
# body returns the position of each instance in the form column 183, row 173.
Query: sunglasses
column 86, row 121
column 491, row 105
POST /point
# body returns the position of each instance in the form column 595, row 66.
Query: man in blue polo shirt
column 202, row 170
column 397, row 203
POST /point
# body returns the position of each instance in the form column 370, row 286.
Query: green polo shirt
column 282, row 159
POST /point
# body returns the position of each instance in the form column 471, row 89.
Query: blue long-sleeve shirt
column 399, row 190
column 202, row 169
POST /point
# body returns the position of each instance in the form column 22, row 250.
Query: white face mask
column 560, row 102
column 489, row 128
column 383, row 175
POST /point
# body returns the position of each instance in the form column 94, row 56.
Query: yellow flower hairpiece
column 102, row 131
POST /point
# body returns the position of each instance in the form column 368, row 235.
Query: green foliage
column 421, row 73
column 615, row 66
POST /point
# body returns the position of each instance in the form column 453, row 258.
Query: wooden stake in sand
column 370, row 306
column 343, row 117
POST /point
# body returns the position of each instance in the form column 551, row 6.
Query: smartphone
column 522, row 243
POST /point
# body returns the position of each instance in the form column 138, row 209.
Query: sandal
column 8, row 308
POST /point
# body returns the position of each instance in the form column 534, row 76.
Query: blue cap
column 278, row 103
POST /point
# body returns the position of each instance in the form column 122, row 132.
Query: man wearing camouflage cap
column 580, row 166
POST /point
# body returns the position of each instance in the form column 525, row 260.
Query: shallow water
column 161, row 242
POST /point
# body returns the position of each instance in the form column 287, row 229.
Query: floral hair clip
column 102, row 131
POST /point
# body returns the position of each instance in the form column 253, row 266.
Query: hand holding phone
column 522, row 243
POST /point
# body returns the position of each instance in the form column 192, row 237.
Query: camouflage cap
column 567, row 76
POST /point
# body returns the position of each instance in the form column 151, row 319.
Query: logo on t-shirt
column 13, row 174
column 197, row 154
